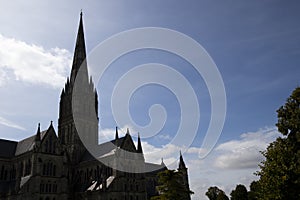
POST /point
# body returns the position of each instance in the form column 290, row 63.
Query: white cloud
column 3, row 77
column 169, row 153
column 245, row 152
column 11, row 124
column 33, row 64
column 196, row 150
column 230, row 163
column 163, row 137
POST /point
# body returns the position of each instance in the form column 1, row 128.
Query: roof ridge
column 6, row 140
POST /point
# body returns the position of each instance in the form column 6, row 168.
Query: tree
column 240, row 193
column 289, row 117
column 279, row 175
column 170, row 186
column 254, row 190
column 214, row 192
column 222, row 196
column 280, row 172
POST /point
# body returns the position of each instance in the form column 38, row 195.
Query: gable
column 127, row 144
column 49, row 141
column 28, row 144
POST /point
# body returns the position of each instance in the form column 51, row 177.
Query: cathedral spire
column 181, row 162
column 139, row 146
column 79, row 101
column 80, row 52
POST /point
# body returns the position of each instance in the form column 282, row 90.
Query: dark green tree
column 279, row 175
column 289, row 117
column 280, row 172
column 170, row 186
column 222, row 196
column 254, row 190
column 240, row 193
column 213, row 193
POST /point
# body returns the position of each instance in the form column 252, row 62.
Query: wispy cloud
column 11, row 124
column 245, row 153
column 33, row 64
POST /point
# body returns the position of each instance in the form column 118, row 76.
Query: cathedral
column 51, row 166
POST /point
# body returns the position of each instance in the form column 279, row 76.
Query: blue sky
column 254, row 44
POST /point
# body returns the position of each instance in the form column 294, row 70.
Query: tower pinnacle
column 139, row 146
column 38, row 133
column 181, row 162
column 117, row 134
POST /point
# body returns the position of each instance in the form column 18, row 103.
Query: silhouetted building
column 50, row 167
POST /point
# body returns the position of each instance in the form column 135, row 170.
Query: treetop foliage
column 171, row 187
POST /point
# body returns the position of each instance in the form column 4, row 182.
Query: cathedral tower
column 78, row 111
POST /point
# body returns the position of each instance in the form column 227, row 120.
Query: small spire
column 139, row 146
column 51, row 123
column 38, row 133
column 181, row 162
column 117, row 134
column 127, row 132
column 67, row 84
column 162, row 162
